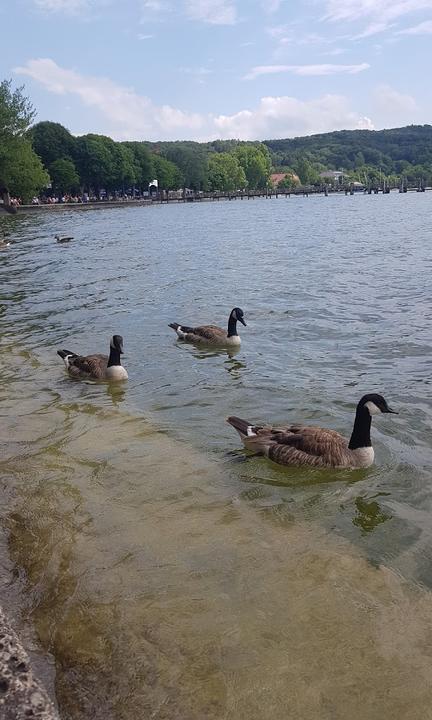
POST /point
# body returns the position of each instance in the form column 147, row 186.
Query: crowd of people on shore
column 83, row 198
column 55, row 199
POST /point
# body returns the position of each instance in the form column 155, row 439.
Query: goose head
column 375, row 404
column 117, row 343
column 238, row 314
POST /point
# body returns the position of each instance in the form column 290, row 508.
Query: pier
column 168, row 197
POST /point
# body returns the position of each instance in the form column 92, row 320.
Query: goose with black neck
column 299, row 444
column 213, row 335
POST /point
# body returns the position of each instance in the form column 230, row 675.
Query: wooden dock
column 169, row 197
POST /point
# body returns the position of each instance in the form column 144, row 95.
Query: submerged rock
column 22, row 696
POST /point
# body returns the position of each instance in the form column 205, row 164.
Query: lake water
column 154, row 569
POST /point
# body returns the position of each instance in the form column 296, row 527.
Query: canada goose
column 212, row 334
column 63, row 238
column 308, row 445
column 97, row 367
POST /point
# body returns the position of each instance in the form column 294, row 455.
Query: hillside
column 350, row 149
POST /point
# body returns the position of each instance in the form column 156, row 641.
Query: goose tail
column 181, row 330
column 243, row 427
column 66, row 355
column 250, row 435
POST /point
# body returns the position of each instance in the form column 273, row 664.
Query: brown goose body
column 212, row 335
column 297, row 444
column 96, row 366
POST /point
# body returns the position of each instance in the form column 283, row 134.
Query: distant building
column 334, row 176
column 276, row 178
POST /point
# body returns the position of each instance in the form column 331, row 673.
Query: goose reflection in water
column 369, row 514
column 116, row 392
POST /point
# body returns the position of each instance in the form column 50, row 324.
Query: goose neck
column 232, row 326
column 360, row 436
column 114, row 357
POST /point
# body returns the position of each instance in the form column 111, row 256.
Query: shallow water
column 167, row 575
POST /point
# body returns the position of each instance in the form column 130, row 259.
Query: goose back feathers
column 212, row 334
column 96, row 366
column 299, row 444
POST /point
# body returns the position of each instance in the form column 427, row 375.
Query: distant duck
column 315, row 446
column 212, row 334
column 4, row 244
column 63, row 238
column 96, row 367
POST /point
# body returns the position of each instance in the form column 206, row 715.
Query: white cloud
column 128, row 114
column 68, row 6
column 379, row 13
column 394, row 104
column 424, row 28
column 306, row 70
column 124, row 114
column 142, row 36
column 277, row 117
column 214, row 12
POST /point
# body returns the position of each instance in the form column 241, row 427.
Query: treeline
column 96, row 162
column 46, row 157
column 364, row 155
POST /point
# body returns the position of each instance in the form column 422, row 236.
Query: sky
column 208, row 69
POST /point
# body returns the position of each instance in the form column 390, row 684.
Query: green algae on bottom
column 162, row 593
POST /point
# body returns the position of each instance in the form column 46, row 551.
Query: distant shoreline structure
column 163, row 199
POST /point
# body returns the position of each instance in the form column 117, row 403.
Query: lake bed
column 167, row 574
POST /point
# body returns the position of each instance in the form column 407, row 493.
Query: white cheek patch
column 250, row 431
column 373, row 409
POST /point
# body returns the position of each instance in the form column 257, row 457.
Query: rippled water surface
column 168, row 575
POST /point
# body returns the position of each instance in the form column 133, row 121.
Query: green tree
column 64, row 176
column 306, row 171
column 21, row 171
column 143, row 164
column 16, row 112
column 256, row 164
column 96, row 161
column 192, row 161
column 124, row 167
column 51, row 141
column 167, row 174
column 225, row 172
column 288, row 182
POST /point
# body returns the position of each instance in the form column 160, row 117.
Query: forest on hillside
column 395, row 151
column 45, row 157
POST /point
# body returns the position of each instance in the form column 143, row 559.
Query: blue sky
column 205, row 69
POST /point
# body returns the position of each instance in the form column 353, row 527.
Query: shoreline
column 22, row 694
column 161, row 200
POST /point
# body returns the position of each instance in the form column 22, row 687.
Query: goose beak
column 242, row 322
column 393, row 412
